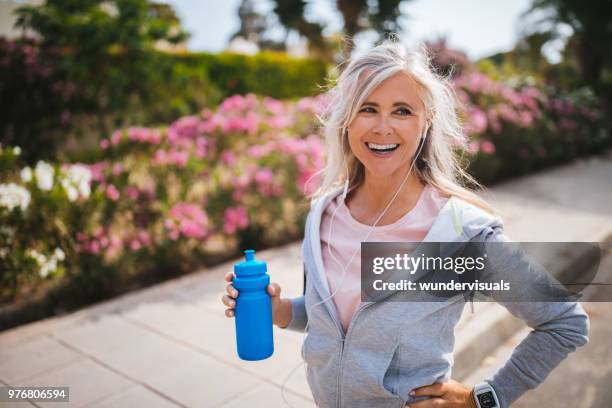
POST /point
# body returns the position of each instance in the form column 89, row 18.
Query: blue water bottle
column 253, row 309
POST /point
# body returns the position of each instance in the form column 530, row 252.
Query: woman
column 391, row 175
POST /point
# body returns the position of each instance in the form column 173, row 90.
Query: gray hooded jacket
column 391, row 348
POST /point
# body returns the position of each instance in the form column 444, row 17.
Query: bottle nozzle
column 249, row 254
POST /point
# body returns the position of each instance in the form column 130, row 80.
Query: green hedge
column 266, row 73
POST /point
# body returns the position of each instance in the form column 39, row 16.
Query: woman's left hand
column 451, row 394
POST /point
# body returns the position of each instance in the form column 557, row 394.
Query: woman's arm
column 558, row 329
column 297, row 316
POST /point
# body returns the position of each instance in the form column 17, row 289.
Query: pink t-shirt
column 348, row 233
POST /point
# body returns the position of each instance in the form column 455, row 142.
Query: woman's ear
column 426, row 132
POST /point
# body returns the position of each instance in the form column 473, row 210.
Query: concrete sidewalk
column 171, row 345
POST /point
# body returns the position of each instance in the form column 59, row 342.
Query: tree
column 104, row 49
column 592, row 36
column 252, row 24
column 382, row 16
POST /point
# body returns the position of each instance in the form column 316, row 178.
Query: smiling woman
column 391, row 175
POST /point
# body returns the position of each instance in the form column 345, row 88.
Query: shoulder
column 474, row 221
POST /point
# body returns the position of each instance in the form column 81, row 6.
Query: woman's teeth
column 382, row 148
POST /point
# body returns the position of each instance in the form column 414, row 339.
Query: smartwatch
column 485, row 396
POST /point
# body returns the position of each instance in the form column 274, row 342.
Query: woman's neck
column 368, row 200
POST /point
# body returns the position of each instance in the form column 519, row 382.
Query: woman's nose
column 382, row 126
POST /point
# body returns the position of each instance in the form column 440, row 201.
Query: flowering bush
column 163, row 198
column 39, row 216
column 516, row 130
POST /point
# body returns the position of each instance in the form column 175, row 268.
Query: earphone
column 345, row 267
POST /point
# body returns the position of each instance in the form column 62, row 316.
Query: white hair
column 438, row 164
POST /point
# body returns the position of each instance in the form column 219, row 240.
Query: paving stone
column 136, row 396
column 88, row 382
column 33, row 357
column 267, row 395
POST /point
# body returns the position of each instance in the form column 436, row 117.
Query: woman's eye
column 403, row 112
column 368, row 109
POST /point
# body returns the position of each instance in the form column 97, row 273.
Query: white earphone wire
column 345, row 267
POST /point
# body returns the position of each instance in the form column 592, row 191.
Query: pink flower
column 228, row 157
column 171, row 157
column 115, row 138
column 256, row 151
column 115, row 247
column 94, row 247
column 187, row 220
column 237, row 103
column 112, row 193
column 488, row 147
column 233, row 124
column 131, row 192
column 184, row 128
column 212, row 123
column 104, row 143
column 144, row 135
column 135, row 245
column 478, row 121
column 473, row 147
column 275, row 106
column 281, row 121
column 144, row 237
column 251, row 123
column 235, row 218
column 117, row 169
column 264, row 176
column 201, row 147
column 97, row 171
column 241, row 182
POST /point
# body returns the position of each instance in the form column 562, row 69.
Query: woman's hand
column 281, row 308
column 451, row 394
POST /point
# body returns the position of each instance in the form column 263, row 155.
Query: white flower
column 44, row 175
column 47, row 264
column 72, row 193
column 26, row 174
column 16, row 150
column 37, row 256
column 12, row 195
column 48, row 267
column 109, row 8
column 76, row 181
column 59, row 254
column 4, row 252
column 7, row 232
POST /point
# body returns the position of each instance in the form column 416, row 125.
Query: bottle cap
column 250, row 266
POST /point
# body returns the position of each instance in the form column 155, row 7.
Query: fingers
column 230, row 295
column 229, row 277
column 427, row 403
column 274, row 290
column 228, row 301
column 231, row 291
column 433, row 390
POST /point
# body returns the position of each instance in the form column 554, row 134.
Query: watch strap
column 487, row 391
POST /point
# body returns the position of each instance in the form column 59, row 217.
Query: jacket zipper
column 343, row 341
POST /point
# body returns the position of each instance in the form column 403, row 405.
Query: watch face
column 486, row 400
